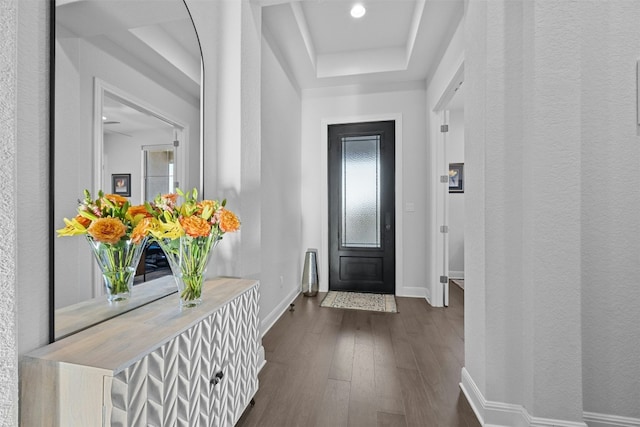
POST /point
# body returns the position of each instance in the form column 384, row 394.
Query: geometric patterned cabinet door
column 205, row 376
column 154, row 366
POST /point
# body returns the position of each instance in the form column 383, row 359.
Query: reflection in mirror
column 158, row 170
column 137, row 138
column 126, row 104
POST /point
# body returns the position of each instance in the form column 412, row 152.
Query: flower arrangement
column 117, row 234
column 187, row 233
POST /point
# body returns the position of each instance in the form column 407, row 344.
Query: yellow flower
column 195, row 226
column 73, row 228
column 229, row 222
column 107, row 230
column 206, row 209
column 170, row 229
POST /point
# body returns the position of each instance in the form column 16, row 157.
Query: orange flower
column 229, row 222
column 134, row 211
column 107, row 230
column 141, row 230
column 195, row 226
column 116, row 199
column 85, row 222
column 171, row 198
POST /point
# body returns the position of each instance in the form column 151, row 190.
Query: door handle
column 216, row 379
column 387, row 221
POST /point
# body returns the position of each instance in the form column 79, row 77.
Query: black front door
column 362, row 207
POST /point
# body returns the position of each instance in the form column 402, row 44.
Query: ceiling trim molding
column 169, row 48
column 266, row 2
column 364, row 89
column 368, row 61
column 301, row 21
column 415, row 26
column 277, row 52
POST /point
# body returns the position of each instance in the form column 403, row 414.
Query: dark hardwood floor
column 333, row 367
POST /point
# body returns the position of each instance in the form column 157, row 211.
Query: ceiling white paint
column 397, row 42
column 321, row 45
column 156, row 37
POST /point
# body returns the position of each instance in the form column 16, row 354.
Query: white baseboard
column 411, row 292
column 500, row 414
column 275, row 314
column 594, row 419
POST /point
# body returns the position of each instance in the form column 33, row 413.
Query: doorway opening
column 456, row 202
column 450, row 169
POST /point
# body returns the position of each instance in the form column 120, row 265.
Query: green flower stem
column 194, row 254
column 117, row 263
column 188, row 257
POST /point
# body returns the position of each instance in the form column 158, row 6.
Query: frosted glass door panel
column 361, row 192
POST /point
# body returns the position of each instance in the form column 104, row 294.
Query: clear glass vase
column 118, row 263
column 188, row 258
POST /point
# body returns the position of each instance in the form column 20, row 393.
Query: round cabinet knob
column 216, row 378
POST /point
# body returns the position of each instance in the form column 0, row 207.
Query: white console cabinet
column 154, row 366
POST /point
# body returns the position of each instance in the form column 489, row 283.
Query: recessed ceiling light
column 358, row 11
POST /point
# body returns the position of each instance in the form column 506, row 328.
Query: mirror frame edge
column 202, row 98
column 52, row 81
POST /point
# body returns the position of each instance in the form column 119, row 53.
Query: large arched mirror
column 126, row 98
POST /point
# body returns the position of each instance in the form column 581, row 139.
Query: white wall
column 523, row 227
column 610, row 238
column 455, row 154
column 8, row 217
column 252, row 152
column 407, row 106
column 236, row 164
column 552, row 240
column 281, row 228
column 24, row 172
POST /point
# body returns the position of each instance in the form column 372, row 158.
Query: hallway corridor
column 332, row 367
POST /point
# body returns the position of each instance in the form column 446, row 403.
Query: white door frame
column 440, row 258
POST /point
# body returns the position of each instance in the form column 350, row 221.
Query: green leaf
column 88, row 215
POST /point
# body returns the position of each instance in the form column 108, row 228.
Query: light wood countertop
column 71, row 319
column 120, row 341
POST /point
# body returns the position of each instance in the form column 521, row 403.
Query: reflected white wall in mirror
column 146, row 52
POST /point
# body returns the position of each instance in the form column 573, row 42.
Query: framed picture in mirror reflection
column 456, row 177
column 121, row 184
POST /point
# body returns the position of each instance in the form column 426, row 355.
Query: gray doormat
column 360, row 301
